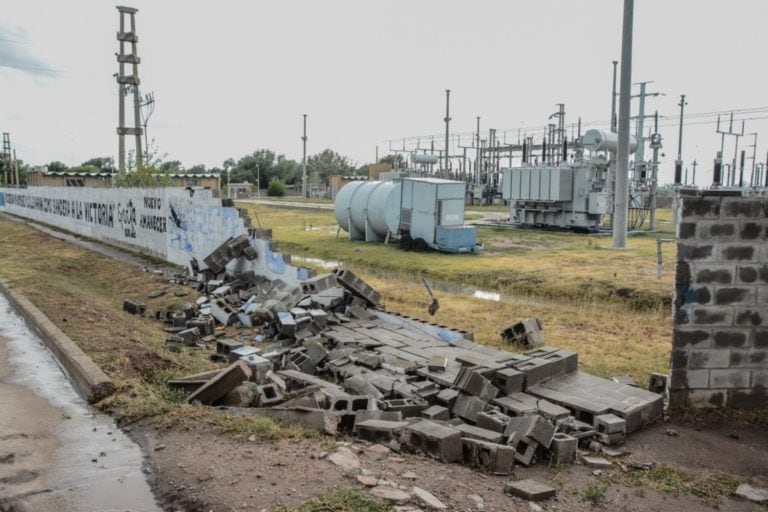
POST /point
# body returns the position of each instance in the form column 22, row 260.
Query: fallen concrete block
column 610, row 424
column 438, row 441
column 437, row 363
column 472, row 432
column 317, row 419
column 493, row 420
column 532, row 427
column 379, row 431
column 357, row 287
column 467, row 407
column 563, row 448
column 472, row 382
column 525, row 449
column 494, row 458
column 446, row 397
column 259, row 367
column 268, row 395
column 190, row 383
column 409, row 407
column 221, row 384
column 530, row 490
column 134, row 307
column 657, row 383
column 509, row 380
column 244, row 395
column 225, row 346
column 366, row 415
column 436, row 412
column 526, row 333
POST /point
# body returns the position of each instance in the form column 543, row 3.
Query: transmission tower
column 128, row 84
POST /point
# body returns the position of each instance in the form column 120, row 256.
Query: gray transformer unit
column 561, row 196
column 422, row 212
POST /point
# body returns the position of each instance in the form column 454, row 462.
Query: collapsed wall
column 720, row 345
column 173, row 224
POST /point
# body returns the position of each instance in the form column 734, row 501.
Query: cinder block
column 472, row 432
column 735, row 295
column 467, row 407
column 134, row 307
column 760, row 338
column 379, row 431
column 717, row 230
column 738, row 252
column 713, row 316
column 750, row 230
column 509, row 380
column 708, row 358
column 438, row 441
column 696, row 252
column 446, row 397
column 495, row 458
column 563, row 448
column 741, row 207
column 730, row 338
column 706, row 398
column 724, row 379
column 747, row 359
column 747, row 398
column 715, row 275
column 759, row 379
column 686, row 337
column 700, row 207
column 610, row 424
column 525, row 449
column 689, row 379
column 493, row 420
column 436, row 412
column 532, row 427
column 755, row 317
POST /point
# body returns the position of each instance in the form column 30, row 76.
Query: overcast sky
column 230, row 77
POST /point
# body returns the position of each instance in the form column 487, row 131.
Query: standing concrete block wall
column 720, row 345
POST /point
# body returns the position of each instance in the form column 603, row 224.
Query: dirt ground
column 204, row 466
column 203, row 471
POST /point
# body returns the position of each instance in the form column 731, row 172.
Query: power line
column 33, row 68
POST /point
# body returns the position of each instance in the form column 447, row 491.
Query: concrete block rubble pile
column 324, row 354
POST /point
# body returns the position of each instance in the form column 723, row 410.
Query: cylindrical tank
column 377, row 202
column 384, row 208
column 423, row 158
column 599, row 140
column 343, row 200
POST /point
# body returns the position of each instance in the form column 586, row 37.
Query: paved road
column 56, row 452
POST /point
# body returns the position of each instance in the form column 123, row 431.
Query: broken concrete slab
column 753, row 494
column 316, row 419
column 345, row 458
column 530, row 490
column 221, row 384
column 379, row 431
column 596, row 462
column 390, row 494
column 428, row 499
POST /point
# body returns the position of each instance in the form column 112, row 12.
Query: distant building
column 338, row 181
column 240, row 190
column 42, row 178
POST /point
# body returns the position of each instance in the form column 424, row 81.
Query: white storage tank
column 367, row 210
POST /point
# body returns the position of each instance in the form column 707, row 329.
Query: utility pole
column 679, row 161
column 147, row 109
column 752, row 181
column 447, row 123
column 655, row 146
column 640, row 152
column 479, row 156
column 128, row 82
column 304, row 161
column 622, row 156
column 7, row 158
column 613, row 99
column 693, row 180
column 732, row 173
column 15, row 170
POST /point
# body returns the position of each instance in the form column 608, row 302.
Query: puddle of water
column 486, row 295
column 316, row 262
column 115, row 482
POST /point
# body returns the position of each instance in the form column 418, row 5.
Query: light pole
column 258, row 182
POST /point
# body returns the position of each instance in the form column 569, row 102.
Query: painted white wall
column 173, row 224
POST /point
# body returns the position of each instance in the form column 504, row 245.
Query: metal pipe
column 622, row 158
column 303, row 161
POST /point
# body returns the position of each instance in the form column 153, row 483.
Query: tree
column 196, row 169
column 101, row 163
column 289, row 171
column 85, row 168
column 57, row 166
column 328, row 163
column 276, row 188
column 171, row 167
column 397, row 161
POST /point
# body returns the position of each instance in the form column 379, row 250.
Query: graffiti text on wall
column 102, row 214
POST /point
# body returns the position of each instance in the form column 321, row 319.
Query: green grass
column 339, row 500
column 594, row 494
column 519, row 261
column 710, row 487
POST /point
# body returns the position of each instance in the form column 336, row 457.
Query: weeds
column 340, row 500
column 595, row 494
